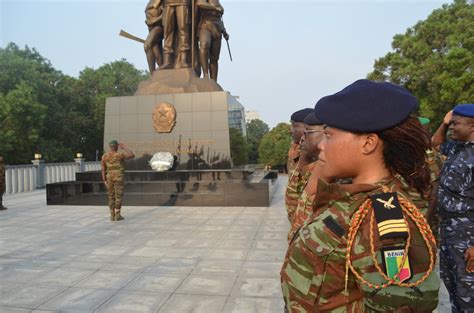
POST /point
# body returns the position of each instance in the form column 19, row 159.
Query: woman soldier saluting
column 367, row 246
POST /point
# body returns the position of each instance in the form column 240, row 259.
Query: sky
column 286, row 54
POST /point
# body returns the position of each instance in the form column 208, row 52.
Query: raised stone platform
column 174, row 188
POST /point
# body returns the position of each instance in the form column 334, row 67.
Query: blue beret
column 299, row 116
column 366, row 106
column 312, row 120
column 464, row 110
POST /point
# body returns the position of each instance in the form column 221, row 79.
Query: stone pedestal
column 199, row 138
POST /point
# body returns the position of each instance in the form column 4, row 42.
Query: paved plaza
column 159, row 259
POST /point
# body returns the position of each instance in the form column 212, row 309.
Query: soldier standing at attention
column 367, row 248
column 113, row 168
column 310, row 170
column 2, row 183
column 294, row 188
column 456, row 207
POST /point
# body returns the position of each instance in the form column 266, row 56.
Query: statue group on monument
column 184, row 34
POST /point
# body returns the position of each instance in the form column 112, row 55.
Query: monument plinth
column 176, row 81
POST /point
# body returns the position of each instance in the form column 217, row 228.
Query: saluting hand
column 447, row 118
column 469, row 257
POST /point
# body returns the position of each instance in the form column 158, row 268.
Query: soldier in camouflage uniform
column 113, row 168
column 297, row 175
column 456, row 207
column 2, row 183
column 310, row 172
column 366, row 247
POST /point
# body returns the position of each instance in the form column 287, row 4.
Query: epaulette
column 389, row 216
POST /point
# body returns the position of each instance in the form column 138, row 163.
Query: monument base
column 205, row 188
column 176, row 81
column 199, row 134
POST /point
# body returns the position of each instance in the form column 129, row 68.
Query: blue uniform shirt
column 456, row 187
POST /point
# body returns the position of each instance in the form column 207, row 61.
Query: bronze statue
column 211, row 28
column 176, row 16
column 154, row 41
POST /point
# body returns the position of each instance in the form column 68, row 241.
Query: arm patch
column 334, row 226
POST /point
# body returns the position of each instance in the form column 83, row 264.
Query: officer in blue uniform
column 456, row 206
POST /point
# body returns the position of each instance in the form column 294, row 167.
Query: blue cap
column 366, row 106
column 312, row 120
column 299, row 116
column 464, row 110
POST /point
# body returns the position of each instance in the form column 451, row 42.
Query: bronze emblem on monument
column 164, row 117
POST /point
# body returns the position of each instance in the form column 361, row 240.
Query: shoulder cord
column 413, row 213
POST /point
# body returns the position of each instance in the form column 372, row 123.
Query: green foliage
column 43, row 110
column 275, row 144
column 256, row 129
column 434, row 59
column 239, row 148
column 22, row 119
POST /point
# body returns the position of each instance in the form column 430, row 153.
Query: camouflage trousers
column 115, row 192
column 455, row 239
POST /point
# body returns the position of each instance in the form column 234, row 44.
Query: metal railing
column 24, row 178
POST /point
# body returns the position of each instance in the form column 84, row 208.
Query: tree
column 434, row 59
column 119, row 78
column 43, row 110
column 21, row 121
column 256, row 129
column 274, row 146
column 238, row 147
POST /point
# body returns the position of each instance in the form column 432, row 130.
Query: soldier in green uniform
column 366, row 247
column 2, row 183
column 113, row 168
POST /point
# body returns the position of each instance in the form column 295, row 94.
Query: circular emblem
column 164, row 117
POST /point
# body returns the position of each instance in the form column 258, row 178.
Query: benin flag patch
column 392, row 262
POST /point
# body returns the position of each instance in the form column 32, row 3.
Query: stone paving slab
column 159, row 259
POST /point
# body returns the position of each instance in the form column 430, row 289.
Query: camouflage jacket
column 313, row 273
column 304, row 209
column 293, row 156
column 296, row 183
column 456, row 185
column 114, row 163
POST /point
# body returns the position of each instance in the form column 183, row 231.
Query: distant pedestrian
column 113, row 169
column 2, row 183
column 456, row 207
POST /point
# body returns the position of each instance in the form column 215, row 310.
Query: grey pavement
column 159, row 259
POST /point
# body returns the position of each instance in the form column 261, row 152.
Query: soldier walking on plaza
column 367, row 247
column 456, row 206
column 113, row 168
column 2, row 183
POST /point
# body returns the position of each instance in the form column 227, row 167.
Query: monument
column 179, row 112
